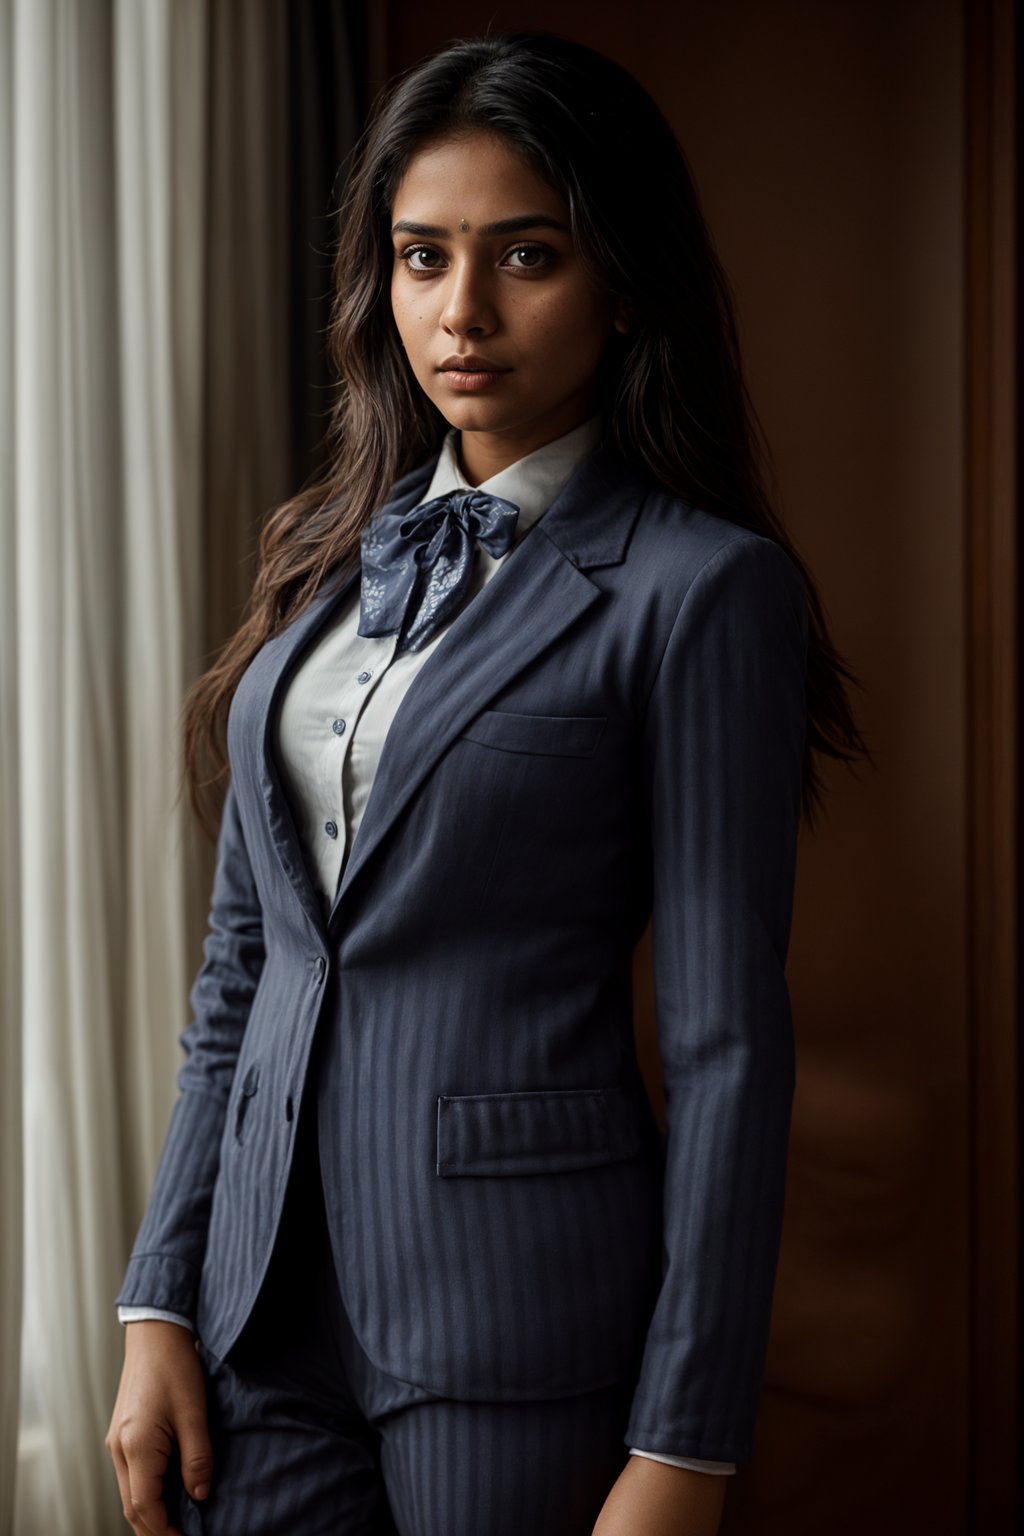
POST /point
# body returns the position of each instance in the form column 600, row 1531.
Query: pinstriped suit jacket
column 614, row 727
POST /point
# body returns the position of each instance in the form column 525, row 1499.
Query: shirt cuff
column 151, row 1314
column 719, row 1467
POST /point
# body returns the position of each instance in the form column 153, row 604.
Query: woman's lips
column 471, row 381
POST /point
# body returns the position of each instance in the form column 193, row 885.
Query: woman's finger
column 123, row 1484
column 196, row 1450
column 145, row 1511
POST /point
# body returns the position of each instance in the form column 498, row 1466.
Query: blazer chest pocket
column 544, row 1131
column 553, row 735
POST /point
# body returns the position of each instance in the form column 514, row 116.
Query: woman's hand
column 162, row 1398
column 653, row 1498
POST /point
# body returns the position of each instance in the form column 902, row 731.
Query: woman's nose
column 468, row 300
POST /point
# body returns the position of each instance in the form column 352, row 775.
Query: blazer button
column 320, row 968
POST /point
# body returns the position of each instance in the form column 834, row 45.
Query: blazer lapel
column 539, row 591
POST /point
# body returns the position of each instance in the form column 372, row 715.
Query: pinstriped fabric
column 719, row 941
column 309, row 1436
column 478, row 950
column 508, row 1243
column 534, row 1132
column 459, row 1469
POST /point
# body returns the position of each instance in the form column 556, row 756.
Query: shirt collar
column 532, row 482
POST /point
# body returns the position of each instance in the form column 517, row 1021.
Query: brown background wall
column 827, row 143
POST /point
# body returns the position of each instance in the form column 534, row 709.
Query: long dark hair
column 673, row 395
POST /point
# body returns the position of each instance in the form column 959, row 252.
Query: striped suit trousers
column 310, row 1438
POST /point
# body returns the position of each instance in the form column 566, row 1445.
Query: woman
column 444, row 1273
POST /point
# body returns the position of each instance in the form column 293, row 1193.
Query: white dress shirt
column 339, row 704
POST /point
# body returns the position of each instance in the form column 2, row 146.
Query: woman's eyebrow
column 502, row 227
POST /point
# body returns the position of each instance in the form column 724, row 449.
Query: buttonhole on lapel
column 249, row 1085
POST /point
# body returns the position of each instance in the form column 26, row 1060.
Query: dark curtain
column 327, row 105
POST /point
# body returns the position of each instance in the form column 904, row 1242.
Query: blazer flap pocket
column 556, row 735
column 545, row 1131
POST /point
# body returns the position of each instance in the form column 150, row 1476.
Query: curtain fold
column 248, row 464
column 160, row 54
column 10, row 858
column 104, row 171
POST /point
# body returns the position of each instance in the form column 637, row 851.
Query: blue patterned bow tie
column 417, row 566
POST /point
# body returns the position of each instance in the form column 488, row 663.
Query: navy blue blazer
column 612, row 728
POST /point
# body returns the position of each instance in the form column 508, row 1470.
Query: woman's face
column 516, row 298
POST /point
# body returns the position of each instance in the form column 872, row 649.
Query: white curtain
column 102, row 193
column 10, row 910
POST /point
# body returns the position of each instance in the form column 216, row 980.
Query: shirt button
column 364, row 677
column 338, row 727
column 331, row 828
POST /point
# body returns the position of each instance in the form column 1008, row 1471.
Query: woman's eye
column 417, row 250
column 545, row 256
column 418, row 258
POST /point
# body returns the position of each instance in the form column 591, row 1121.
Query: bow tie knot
column 417, row 567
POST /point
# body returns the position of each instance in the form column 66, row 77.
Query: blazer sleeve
column 166, row 1261
column 723, row 751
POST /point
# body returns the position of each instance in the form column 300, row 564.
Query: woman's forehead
column 479, row 179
